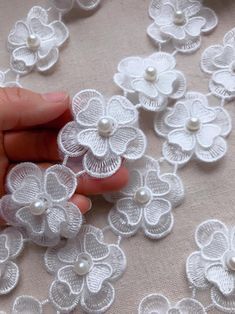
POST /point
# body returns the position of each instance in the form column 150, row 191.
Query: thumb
column 21, row 108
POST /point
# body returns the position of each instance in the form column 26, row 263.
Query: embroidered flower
column 5, row 83
column 39, row 202
column 154, row 78
column 106, row 133
column 192, row 128
column 27, row 304
column 180, row 22
column 34, row 42
column 157, row 303
column 219, row 61
column 11, row 245
column 146, row 201
column 86, row 268
column 213, row 265
column 66, row 5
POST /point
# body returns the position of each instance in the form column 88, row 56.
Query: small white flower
column 27, row 304
column 192, row 128
column 34, row 42
column 85, row 268
column 157, row 303
column 106, row 133
column 213, row 265
column 154, row 78
column 180, row 22
column 219, row 61
column 11, row 245
column 39, row 202
column 146, row 202
column 66, row 5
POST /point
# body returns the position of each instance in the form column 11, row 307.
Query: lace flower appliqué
column 154, row 78
column 219, row 61
column 192, row 128
column 86, row 268
column 4, row 82
column 34, row 42
column 11, row 245
column 180, row 22
column 157, row 303
column 213, row 265
column 146, row 202
column 66, row 5
column 103, row 133
column 39, row 202
column 27, row 304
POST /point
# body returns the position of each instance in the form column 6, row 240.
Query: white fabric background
column 89, row 60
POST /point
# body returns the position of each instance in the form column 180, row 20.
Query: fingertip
column 82, row 202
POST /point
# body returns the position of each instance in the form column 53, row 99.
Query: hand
column 29, row 124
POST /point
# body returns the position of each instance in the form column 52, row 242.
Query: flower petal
column 55, row 217
column 57, row 191
column 226, row 79
column 143, row 86
column 61, row 297
column 179, row 86
column 207, row 58
column 216, row 248
column 194, row 26
column 135, row 181
column 26, row 55
column 8, row 209
column 38, row 13
column 4, row 251
column 124, row 82
column 128, row 207
column 176, row 193
column 45, row 48
column 213, row 153
column 153, row 104
column 175, row 155
column 223, row 120
column 155, row 34
column 46, row 63
column 207, row 134
column 74, row 220
column 96, row 277
column 163, row 61
column 28, row 192
column 90, row 115
column 195, row 269
column 161, row 229
column 34, row 224
column 131, row 66
column 229, row 38
column 67, row 140
column 157, row 185
column 69, row 252
column 61, row 33
column 222, row 302
column 136, row 148
column 74, row 281
column 63, row 5
column 155, row 209
column 154, row 302
column 201, row 111
column 164, row 15
column 91, row 139
column 121, row 138
column 190, row 306
column 187, row 45
column 15, row 241
column 223, row 279
column 27, row 304
column 225, row 57
column 160, row 127
column 178, row 116
column 173, row 31
column 9, row 278
column 88, row 4
column 117, row 260
column 40, row 29
column 52, row 261
column 98, row 302
column 186, row 140
column 122, row 110
column 18, row 36
column 165, row 82
column 210, row 18
column 101, row 168
column 97, row 249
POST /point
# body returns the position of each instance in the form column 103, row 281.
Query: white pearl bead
column 142, row 196
column 105, row 126
column 33, row 42
column 193, row 124
column 150, row 74
column 83, row 265
column 230, row 260
column 179, row 18
column 38, row 207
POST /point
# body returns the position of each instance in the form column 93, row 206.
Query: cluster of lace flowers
column 219, row 61
column 146, row 202
column 180, row 23
column 103, row 133
column 34, row 42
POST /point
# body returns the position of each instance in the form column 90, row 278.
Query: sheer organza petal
column 157, row 185
column 194, row 26
column 213, row 153
column 96, row 248
column 27, row 304
column 91, row 139
column 56, row 216
column 122, row 110
column 9, row 278
column 178, row 116
column 186, row 140
column 154, row 303
column 90, row 115
column 18, row 36
column 15, row 241
column 120, row 140
column 207, row 134
column 97, row 276
column 155, row 209
column 74, row 281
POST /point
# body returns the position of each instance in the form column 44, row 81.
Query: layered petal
column 186, row 140
column 18, row 36
column 153, row 104
column 27, row 304
column 9, row 278
column 96, row 248
column 46, row 63
column 178, row 116
column 225, row 78
column 74, row 220
column 117, row 260
column 175, row 155
column 120, row 140
column 163, row 61
column 56, row 216
column 207, row 134
column 173, row 31
column 40, row 29
column 28, row 192
column 14, row 241
column 213, row 153
column 194, row 26
column 222, row 302
column 96, row 277
column 143, row 86
column 33, row 223
column 190, row 306
column 128, row 207
column 210, row 18
column 25, row 55
column 157, row 185
column 165, row 82
column 216, row 248
column 155, row 209
column 154, row 303
column 90, row 115
column 96, row 143
column 61, row 33
column 161, row 229
column 132, row 66
column 74, row 281
column 122, row 110
column 207, row 58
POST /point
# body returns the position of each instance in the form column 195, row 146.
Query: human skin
column 29, row 125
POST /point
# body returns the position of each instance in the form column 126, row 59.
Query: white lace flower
column 154, row 78
column 219, row 61
column 11, row 245
column 39, row 202
column 27, row 304
column 106, row 133
column 146, row 202
column 5, row 83
column 192, row 128
column 34, row 42
column 85, row 268
column 180, row 22
column 66, row 5
column 157, row 303
column 213, row 265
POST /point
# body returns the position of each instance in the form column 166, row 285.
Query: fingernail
column 55, row 97
column 90, row 206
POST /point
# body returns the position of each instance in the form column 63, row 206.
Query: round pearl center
column 38, row 207
column 150, row 74
column 83, row 265
column 33, row 42
column 193, row 124
column 230, row 260
column 179, row 18
column 142, row 196
column 105, row 126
